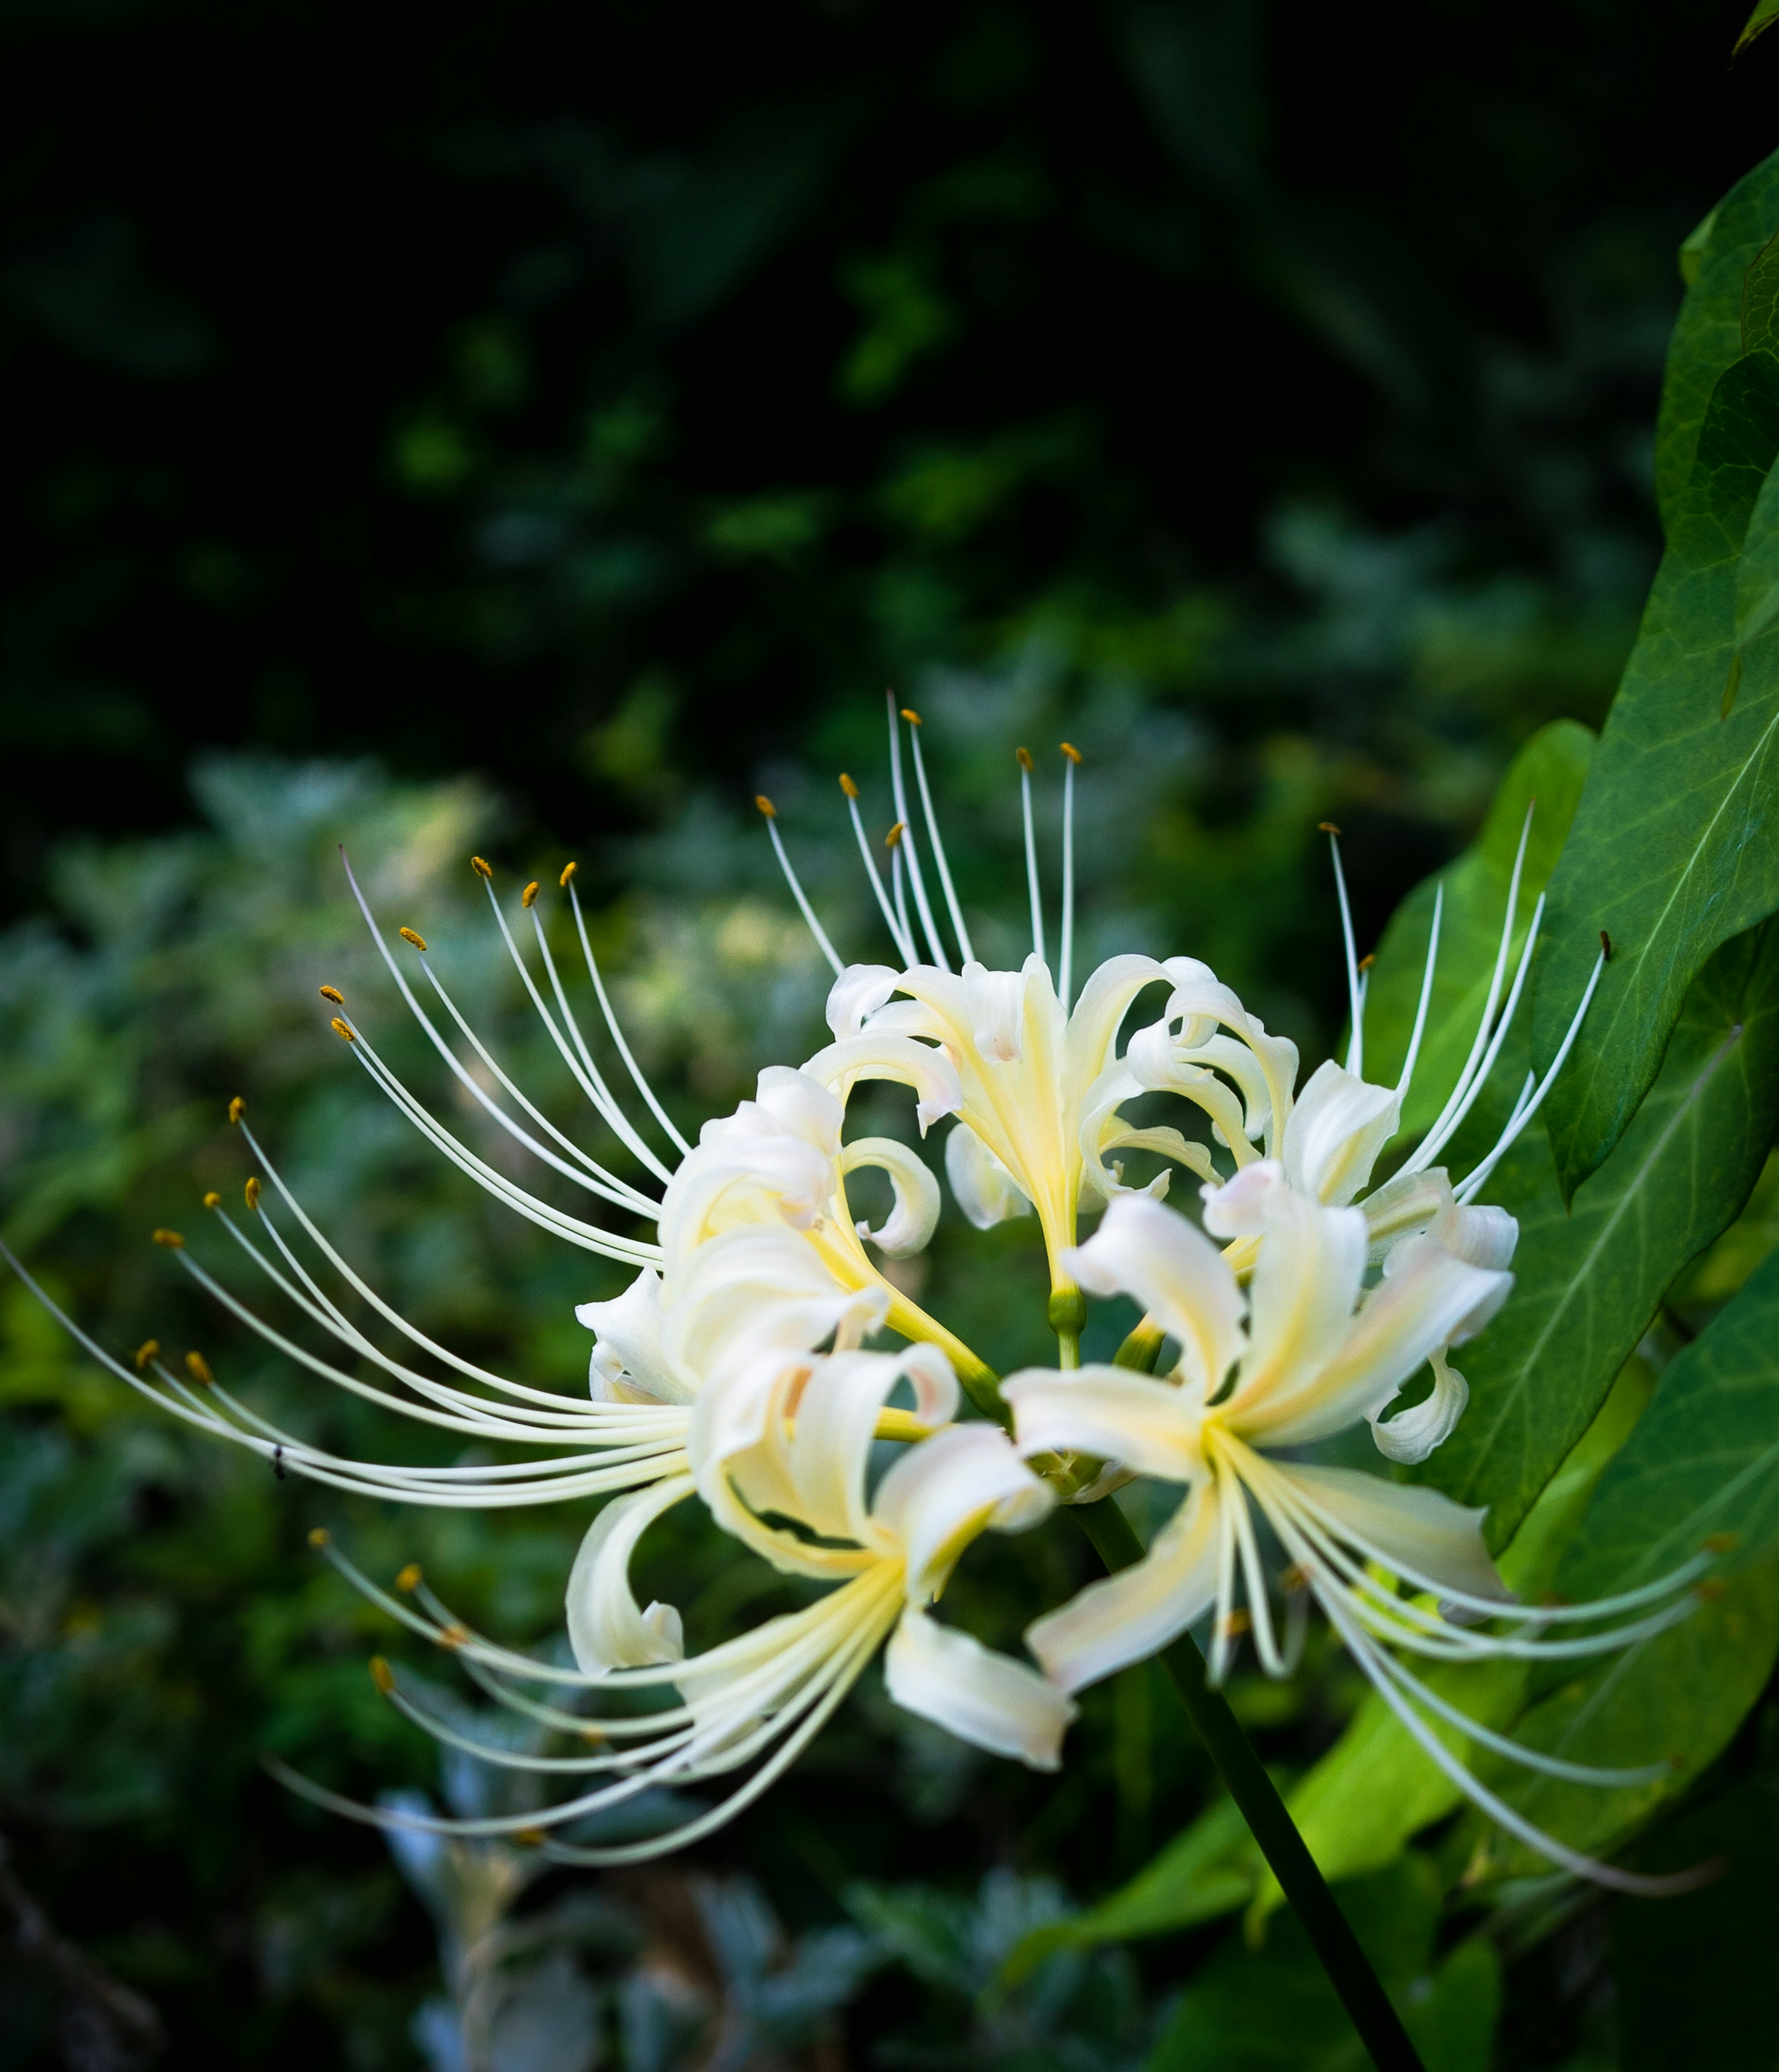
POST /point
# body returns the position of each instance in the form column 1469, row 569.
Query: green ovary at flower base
column 733, row 1371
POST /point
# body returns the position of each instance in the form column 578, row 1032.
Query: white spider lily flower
column 1304, row 1355
column 789, row 1436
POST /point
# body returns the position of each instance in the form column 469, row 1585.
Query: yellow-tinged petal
column 1339, row 1124
column 605, row 1628
column 988, row 1699
column 1151, row 1427
column 1143, row 1250
column 1128, row 1616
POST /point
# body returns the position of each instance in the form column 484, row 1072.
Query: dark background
column 605, row 402
column 446, row 382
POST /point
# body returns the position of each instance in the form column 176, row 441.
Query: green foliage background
column 537, row 429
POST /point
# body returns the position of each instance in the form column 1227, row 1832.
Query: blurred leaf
column 1589, row 1277
column 1762, row 19
column 1273, row 2009
column 1715, row 1944
column 1675, row 846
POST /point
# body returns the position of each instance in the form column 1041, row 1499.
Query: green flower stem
column 1349, row 1969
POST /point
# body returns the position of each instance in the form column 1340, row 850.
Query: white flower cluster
column 738, row 1368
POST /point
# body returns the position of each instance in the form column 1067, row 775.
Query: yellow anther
column 1367, row 963
column 480, row 867
column 910, row 716
column 319, row 1536
column 847, row 786
column 198, row 1368
column 410, row 1577
column 1718, row 1543
column 412, row 935
column 1071, row 751
column 1024, row 755
column 451, row 1636
column 146, row 1352
column 1606, row 946
column 237, row 1107
column 530, row 894
column 568, row 870
column 250, row 1192
column 1327, row 827
column 170, row 1240
column 342, row 1031
column 895, row 834
column 1238, row 1622
column 1295, row 1577
column 1709, row 1590
column 333, row 993
column 595, row 1735
column 529, row 1838
column 382, row 1676
column 213, row 1201
column 766, row 805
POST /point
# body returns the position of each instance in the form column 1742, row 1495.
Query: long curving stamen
column 1071, row 759
column 1436, row 1138
column 769, row 812
column 1366, row 1652
column 355, row 1281
column 642, row 1085
column 464, row 1078
column 1422, row 1693
column 587, row 1075
column 589, row 1236
column 1427, row 993
column 1475, row 1180
column 1355, row 1003
column 323, row 1310
column 611, row 1106
column 1024, row 755
column 1223, row 1633
column 899, row 887
column 904, row 949
column 918, row 882
column 944, row 869
column 605, row 1182
column 1458, row 1101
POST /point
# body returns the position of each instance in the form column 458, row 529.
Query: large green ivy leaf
column 1675, row 846
column 1705, row 1461
column 1590, row 1276
column 1708, row 334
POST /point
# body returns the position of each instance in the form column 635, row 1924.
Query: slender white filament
column 612, row 1023
column 803, row 907
column 1064, row 982
column 1356, row 1005
column 944, row 869
column 1427, row 993
column 1032, row 860
column 904, row 949
column 918, row 883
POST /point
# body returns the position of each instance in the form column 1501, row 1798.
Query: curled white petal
column 984, row 1698
column 873, row 1055
column 909, row 1226
column 1338, row 1127
column 856, row 995
column 1151, row 1427
column 629, row 1363
column 1143, row 1250
column 605, row 1628
column 1411, row 1434
column 980, row 1185
column 942, row 1493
